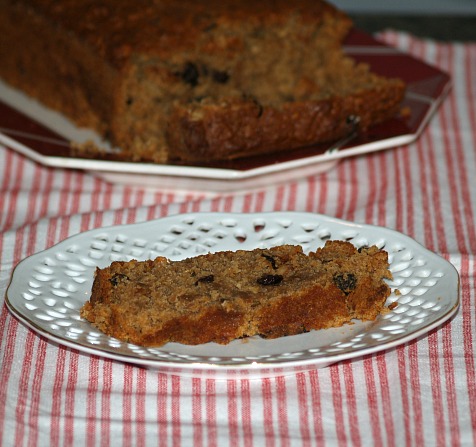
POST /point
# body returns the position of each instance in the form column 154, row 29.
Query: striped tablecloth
column 422, row 393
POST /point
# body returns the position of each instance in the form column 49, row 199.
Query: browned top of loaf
column 118, row 29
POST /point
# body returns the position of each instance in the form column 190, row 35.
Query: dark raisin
column 210, row 27
column 116, row 278
column 345, row 282
column 270, row 280
column 220, row 76
column 129, row 101
column 190, row 74
column 271, row 260
column 206, row 279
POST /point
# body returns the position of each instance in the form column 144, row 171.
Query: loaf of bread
column 189, row 81
column 228, row 295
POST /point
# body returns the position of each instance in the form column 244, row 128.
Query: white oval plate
column 48, row 289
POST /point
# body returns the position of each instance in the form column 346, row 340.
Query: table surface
column 421, row 393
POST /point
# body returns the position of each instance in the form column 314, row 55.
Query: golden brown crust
column 227, row 295
column 193, row 81
column 243, row 127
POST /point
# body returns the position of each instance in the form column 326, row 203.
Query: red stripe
column 70, row 399
column 162, row 420
column 437, row 202
column 231, row 388
column 279, row 198
column 303, row 407
column 383, row 189
column 106, row 402
column 76, row 192
column 140, row 416
column 405, row 411
column 197, row 412
column 354, row 189
column 426, row 160
column 36, row 392
column 399, row 208
column 436, row 393
column 127, row 420
column 372, row 401
column 45, row 202
column 107, row 197
column 32, row 207
column 246, row 413
column 267, row 396
column 185, row 204
column 337, row 401
column 293, row 192
column 341, row 192
column 176, row 430
column 259, row 205
column 91, row 393
column 369, row 208
column 352, row 404
column 215, row 204
column 311, row 194
column 417, row 418
column 451, row 397
column 282, row 410
column 322, row 199
column 386, row 389
column 247, row 203
column 33, row 196
column 407, row 154
column 316, row 406
column 211, row 412
column 56, row 398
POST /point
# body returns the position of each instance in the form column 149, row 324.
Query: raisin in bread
column 193, row 81
column 228, row 295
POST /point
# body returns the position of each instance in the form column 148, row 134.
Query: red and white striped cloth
column 420, row 394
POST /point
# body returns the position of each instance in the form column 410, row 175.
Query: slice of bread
column 227, row 295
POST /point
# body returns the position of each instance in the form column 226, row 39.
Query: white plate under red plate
column 44, row 136
column 48, row 289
